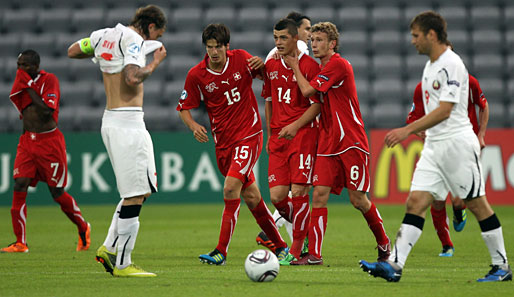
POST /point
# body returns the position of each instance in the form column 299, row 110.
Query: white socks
column 406, row 238
column 127, row 232
column 112, row 234
column 494, row 241
column 280, row 221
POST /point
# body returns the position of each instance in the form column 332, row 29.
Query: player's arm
column 289, row 131
column 43, row 111
column 303, row 83
column 438, row 115
column 135, row 75
column 81, row 49
column 199, row 131
column 267, row 113
column 256, row 66
column 483, row 119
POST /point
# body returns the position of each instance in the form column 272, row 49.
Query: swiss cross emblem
column 210, row 87
column 271, row 178
column 273, row 75
column 315, row 178
column 237, row 76
column 32, row 136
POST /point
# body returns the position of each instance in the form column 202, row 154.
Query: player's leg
column 493, row 236
column 301, row 217
column 459, row 213
column 284, row 208
column 70, row 208
column 253, row 199
column 19, row 216
column 440, row 220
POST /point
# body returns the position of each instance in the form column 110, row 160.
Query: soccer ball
column 261, row 266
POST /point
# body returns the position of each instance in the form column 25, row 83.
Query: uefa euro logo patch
column 183, row 96
column 134, row 48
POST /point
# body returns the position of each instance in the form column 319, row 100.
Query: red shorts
column 42, row 157
column 347, row 170
column 238, row 160
column 292, row 161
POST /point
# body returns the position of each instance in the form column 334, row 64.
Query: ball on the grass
column 262, row 266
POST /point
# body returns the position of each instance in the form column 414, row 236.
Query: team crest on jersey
column 271, row 178
column 273, row 75
column 211, row 87
column 315, row 178
column 183, row 96
column 237, row 76
column 436, row 85
column 134, row 48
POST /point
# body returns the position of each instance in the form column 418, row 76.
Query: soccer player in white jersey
column 450, row 158
column 303, row 24
column 121, row 52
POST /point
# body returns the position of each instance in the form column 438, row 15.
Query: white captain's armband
column 85, row 46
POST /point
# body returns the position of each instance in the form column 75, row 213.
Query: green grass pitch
column 172, row 236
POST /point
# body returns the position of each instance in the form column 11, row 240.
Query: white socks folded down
column 280, row 221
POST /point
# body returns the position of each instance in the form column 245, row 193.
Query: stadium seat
column 360, row 65
column 415, row 64
column 319, row 13
column 98, row 99
column 460, row 40
column 88, row 19
column 76, row 94
column 58, row 66
column 172, row 92
column 387, row 66
column 54, row 20
column 510, row 65
column 353, row 42
column 387, row 42
column 5, row 90
column 365, row 110
column 282, row 11
column 486, row 42
column 388, row 90
column 153, row 92
column 43, row 43
column 252, row 41
column 183, row 43
column 493, row 88
column 84, row 70
column 509, row 17
column 412, row 10
column 509, row 39
column 253, row 18
column 187, row 19
column 19, row 21
column 455, row 16
column 122, row 15
column 219, row 14
column 486, row 17
column 10, row 67
column 410, row 87
column 389, row 114
column 188, row 4
column 353, row 18
column 488, row 66
column 498, row 114
column 363, row 90
column 10, row 45
column 89, row 118
column 386, row 18
column 158, row 118
column 178, row 66
column 4, row 120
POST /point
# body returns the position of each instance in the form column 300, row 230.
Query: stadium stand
column 374, row 37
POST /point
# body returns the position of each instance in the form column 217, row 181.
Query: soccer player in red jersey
column 223, row 81
column 343, row 154
column 41, row 152
column 438, row 209
column 292, row 133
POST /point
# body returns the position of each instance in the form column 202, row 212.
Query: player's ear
column 228, row 46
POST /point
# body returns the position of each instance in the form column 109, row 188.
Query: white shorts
column 130, row 150
column 450, row 165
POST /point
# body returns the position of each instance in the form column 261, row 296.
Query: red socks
column 70, row 208
column 317, row 228
column 265, row 220
column 285, row 208
column 228, row 224
column 301, row 219
column 376, row 225
column 440, row 221
column 19, row 216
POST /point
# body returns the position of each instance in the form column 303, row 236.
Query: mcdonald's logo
column 405, row 164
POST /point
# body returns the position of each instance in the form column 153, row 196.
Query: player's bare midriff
column 119, row 94
column 32, row 122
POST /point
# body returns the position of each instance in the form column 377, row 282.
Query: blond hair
column 331, row 31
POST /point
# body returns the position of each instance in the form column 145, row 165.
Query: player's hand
column 292, row 61
column 481, row 140
column 276, row 56
column 288, row 132
column 255, row 63
column 160, row 54
column 200, row 133
column 267, row 145
column 422, row 135
column 396, row 136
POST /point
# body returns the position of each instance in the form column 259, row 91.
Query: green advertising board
column 187, row 170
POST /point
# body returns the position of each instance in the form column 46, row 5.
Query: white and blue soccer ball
column 262, row 266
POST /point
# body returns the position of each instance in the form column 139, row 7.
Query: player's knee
column 56, row 192
column 360, row 201
column 21, row 184
column 230, row 192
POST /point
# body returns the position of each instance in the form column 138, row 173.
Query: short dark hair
column 32, row 56
column 150, row 14
column 297, row 17
column 218, row 32
column 288, row 24
column 431, row 20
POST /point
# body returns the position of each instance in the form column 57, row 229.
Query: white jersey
column 302, row 46
column 447, row 80
column 118, row 47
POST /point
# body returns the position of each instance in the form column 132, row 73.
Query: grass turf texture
column 172, row 236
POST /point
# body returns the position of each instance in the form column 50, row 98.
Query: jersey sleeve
column 246, row 55
column 266, row 87
column 49, row 92
column 452, row 78
column 311, row 72
column 95, row 37
column 417, row 110
column 191, row 95
column 477, row 93
column 132, row 49
column 331, row 74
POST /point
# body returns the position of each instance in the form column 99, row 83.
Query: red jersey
column 476, row 97
column 341, row 126
column 288, row 103
column 228, row 98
